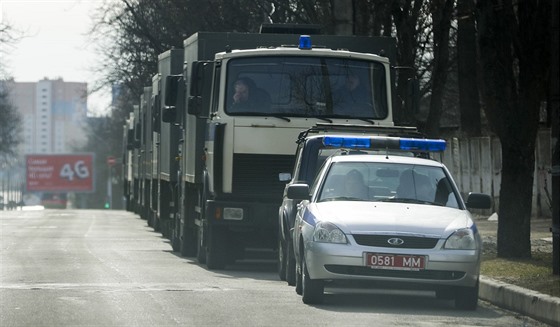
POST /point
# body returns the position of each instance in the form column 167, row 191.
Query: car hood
column 355, row 217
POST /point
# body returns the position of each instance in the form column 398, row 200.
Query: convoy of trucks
column 208, row 169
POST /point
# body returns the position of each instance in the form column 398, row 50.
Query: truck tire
column 281, row 257
column 200, row 249
column 299, row 281
column 188, row 241
column 216, row 248
column 290, row 265
column 175, row 237
column 188, row 228
column 156, row 222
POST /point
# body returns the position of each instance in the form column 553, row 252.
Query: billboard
column 59, row 172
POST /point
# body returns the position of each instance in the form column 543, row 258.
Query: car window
column 371, row 181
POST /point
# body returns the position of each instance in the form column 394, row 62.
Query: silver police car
column 386, row 220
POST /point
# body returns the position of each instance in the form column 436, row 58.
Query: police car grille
column 256, row 176
column 409, row 242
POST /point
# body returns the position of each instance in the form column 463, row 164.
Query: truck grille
column 255, row 176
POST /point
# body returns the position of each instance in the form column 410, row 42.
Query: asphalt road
column 108, row 268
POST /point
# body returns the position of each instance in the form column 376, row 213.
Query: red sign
column 59, row 173
column 110, row 161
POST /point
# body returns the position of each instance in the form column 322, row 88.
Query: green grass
column 534, row 274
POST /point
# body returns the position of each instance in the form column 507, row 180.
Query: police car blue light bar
column 347, row 142
column 305, row 42
column 385, row 142
column 422, row 145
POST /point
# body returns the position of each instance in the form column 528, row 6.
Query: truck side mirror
column 156, row 114
column 130, row 139
column 137, row 133
column 201, row 75
column 169, row 114
column 172, row 89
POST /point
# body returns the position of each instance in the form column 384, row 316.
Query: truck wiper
column 367, row 120
column 281, row 117
column 352, row 117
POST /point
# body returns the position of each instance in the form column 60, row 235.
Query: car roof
column 391, row 158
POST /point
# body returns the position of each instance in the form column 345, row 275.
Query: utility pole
column 555, row 138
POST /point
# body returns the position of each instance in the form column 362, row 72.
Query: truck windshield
column 306, row 87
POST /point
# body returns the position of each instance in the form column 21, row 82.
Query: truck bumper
column 256, row 221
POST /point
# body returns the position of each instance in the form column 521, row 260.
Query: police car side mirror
column 298, row 192
column 479, row 201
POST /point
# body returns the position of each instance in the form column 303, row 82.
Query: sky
column 55, row 44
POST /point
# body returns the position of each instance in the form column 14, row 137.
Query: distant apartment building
column 53, row 113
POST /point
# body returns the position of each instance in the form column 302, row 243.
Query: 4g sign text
column 59, row 173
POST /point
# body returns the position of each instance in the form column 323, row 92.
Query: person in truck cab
column 353, row 97
column 248, row 97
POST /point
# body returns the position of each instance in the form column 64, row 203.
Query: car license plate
column 395, row 261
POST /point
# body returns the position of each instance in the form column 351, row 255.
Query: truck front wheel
column 200, row 249
column 216, row 248
column 290, row 264
column 174, row 230
column 188, row 241
column 281, row 257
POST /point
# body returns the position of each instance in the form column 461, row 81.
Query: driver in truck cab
column 248, row 97
column 353, row 97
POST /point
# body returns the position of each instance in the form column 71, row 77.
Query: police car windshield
column 373, row 181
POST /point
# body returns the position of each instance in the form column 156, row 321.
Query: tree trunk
column 343, row 17
column 513, row 72
column 516, row 190
column 441, row 16
column 405, row 19
column 469, row 100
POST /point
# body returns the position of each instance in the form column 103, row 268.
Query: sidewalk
column 539, row 306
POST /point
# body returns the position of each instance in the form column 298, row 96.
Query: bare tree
column 408, row 25
column 343, row 14
column 514, row 55
column 442, row 11
column 469, row 99
column 10, row 124
column 10, row 119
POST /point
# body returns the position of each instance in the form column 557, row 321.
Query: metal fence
column 476, row 165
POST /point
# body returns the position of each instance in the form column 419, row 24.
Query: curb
column 536, row 305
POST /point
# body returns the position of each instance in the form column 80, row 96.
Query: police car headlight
column 462, row 239
column 328, row 233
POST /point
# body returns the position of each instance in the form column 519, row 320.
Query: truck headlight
column 462, row 239
column 233, row 213
column 328, row 233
